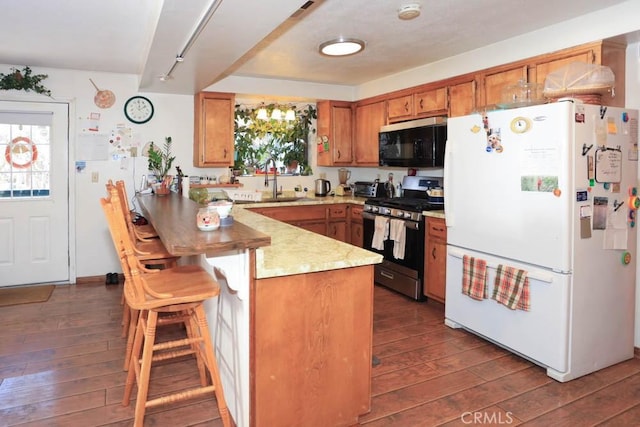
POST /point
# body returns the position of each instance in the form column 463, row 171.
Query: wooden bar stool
column 180, row 293
column 150, row 252
column 142, row 232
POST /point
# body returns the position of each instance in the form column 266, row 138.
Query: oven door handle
column 408, row 224
column 367, row 215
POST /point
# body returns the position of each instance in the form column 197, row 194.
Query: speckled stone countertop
column 297, row 251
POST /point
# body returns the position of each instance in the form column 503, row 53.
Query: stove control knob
column 407, row 215
column 399, row 214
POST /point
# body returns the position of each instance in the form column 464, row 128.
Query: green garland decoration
column 23, row 80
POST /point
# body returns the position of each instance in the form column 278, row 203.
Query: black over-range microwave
column 416, row 143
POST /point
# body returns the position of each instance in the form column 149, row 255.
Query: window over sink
column 273, row 131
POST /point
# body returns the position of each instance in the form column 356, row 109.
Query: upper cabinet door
column 462, row 98
column 400, row 108
column 335, row 130
column 369, row 119
column 430, row 101
column 495, row 83
column 213, row 129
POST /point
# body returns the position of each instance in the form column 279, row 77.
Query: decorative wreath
column 20, row 145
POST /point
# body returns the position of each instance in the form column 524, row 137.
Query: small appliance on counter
column 323, row 187
column 343, row 188
column 368, row 189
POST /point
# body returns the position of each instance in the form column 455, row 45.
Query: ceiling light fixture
column 409, row 11
column 341, row 47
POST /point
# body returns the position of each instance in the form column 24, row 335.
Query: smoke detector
column 409, row 11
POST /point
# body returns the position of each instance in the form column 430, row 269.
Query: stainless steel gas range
column 403, row 273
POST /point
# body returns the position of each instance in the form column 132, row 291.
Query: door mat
column 24, row 294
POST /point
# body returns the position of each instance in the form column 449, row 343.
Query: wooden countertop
column 174, row 218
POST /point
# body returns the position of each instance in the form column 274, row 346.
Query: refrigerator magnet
column 520, row 125
column 626, row 258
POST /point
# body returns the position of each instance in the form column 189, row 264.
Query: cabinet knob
column 406, row 106
column 433, row 253
column 421, row 103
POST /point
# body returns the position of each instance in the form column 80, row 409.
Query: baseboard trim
column 92, row 280
column 636, row 352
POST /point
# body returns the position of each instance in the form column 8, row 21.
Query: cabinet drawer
column 436, row 228
column 337, row 212
column 356, row 214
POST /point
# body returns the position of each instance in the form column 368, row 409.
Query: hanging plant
column 23, row 80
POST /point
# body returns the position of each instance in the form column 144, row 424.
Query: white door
column 508, row 191
column 34, row 193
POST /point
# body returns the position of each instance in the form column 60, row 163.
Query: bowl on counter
column 223, row 207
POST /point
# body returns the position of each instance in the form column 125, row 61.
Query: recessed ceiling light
column 409, row 11
column 341, row 47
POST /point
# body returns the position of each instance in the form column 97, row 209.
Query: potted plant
column 160, row 161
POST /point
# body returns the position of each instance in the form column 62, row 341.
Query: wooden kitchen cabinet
column 494, row 83
column 337, row 226
column 328, row 220
column 355, row 225
column 431, row 102
column 335, row 122
column 312, row 218
column 400, row 108
column 369, row 119
column 213, row 129
column 606, row 53
column 462, row 98
column 435, row 255
column 311, row 342
column 422, row 103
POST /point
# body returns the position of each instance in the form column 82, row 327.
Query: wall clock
column 138, row 109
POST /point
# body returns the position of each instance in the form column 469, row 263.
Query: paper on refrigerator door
column 616, row 234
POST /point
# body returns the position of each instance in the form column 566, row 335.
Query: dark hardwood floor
column 61, row 365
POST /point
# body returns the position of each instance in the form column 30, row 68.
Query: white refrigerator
column 548, row 190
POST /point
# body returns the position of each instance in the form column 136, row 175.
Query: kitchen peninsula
column 293, row 324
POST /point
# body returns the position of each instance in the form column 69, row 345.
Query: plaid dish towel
column 474, row 277
column 511, row 288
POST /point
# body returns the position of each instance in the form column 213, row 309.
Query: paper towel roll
column 185, row 186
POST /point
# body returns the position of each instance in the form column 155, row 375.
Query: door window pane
column 25, row 153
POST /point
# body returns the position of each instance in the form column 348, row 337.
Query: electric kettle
column 323, row 187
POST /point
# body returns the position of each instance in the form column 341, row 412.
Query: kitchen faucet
column 275, row 176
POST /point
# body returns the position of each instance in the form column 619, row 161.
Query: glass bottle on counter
column 389, row 187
